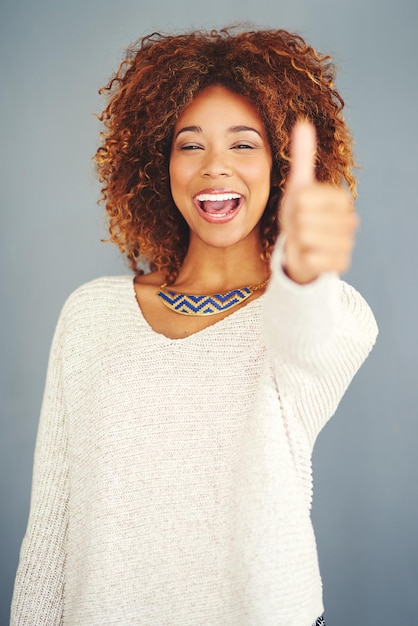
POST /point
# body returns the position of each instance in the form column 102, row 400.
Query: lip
column 212, row 218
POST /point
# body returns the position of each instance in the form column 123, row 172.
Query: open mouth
column 218, row 204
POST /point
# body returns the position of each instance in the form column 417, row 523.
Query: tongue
column 218, row 206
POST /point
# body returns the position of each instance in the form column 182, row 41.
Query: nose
column 216, row 164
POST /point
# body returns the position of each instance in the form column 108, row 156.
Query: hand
column 318, row 219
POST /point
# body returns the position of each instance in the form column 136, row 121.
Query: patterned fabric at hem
column 320, row 621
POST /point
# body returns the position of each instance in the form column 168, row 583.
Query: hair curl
column 283, row 77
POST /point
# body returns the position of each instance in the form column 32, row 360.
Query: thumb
column 303, row 151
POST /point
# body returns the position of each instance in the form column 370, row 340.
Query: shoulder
column 155, row 279
column 97, row 299
column 99, row 290
column 94, row 314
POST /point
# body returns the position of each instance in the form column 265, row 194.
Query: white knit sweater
column 172, row 479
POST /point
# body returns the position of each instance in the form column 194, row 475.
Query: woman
column 172, row 481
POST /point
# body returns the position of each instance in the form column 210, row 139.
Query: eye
column 190, row 146
column 243, row 146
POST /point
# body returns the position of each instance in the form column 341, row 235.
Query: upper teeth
column 217, row 197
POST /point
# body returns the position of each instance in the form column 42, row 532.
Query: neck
column 217, row 270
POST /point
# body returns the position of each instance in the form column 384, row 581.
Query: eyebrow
column 239, row 129
column 232, row 129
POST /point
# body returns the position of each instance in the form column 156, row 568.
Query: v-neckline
column 253, row 304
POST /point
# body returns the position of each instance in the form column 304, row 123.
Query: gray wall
column 55, row 55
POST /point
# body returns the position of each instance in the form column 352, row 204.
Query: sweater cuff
column 323, row 282
column 298, row 317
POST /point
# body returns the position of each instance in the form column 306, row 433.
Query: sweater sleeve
column 38, row 591
column 318, row 335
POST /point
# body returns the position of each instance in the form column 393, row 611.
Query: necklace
column 189, row 304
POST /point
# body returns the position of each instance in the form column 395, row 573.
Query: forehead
column 218, row 105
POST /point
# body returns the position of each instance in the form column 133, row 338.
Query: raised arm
column 317, row 328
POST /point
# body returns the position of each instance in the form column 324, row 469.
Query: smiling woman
column 172, row 480
column 220, row 168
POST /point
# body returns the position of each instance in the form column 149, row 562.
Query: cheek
column 178, row 176
column 260, row 180
column 178, row 187
column 174, row 180
column 172, row 171
column 258, row 172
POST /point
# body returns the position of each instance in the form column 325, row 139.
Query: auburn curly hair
column 283, row 77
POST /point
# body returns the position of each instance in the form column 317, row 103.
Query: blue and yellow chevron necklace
column 189, row 304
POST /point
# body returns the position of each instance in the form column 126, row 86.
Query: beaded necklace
column 190, row 304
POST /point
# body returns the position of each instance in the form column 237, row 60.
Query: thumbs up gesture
column 318, row 219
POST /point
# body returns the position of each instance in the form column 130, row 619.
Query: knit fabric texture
column 172, row 478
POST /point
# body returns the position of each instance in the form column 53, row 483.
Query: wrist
column 300, row 277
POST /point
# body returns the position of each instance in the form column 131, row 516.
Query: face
column 220, row 168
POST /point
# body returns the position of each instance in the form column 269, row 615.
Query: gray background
column 55, row 55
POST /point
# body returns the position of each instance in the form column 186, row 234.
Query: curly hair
column 283, row 77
